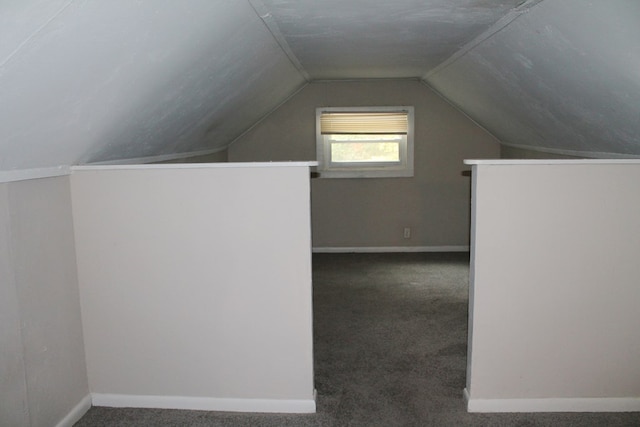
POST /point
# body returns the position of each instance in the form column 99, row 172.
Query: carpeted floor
column 390, row 350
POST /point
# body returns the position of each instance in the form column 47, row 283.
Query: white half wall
column 554, row 292
column 195, row 285
column 13, row 388
column 43, row 380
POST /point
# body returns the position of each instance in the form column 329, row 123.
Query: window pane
column 364, row 142
column 364, row 152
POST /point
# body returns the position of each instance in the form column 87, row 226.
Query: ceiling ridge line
column 498, row 26
column 265, row 15
column 35, row 33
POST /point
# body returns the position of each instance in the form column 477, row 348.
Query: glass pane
column 365, row 152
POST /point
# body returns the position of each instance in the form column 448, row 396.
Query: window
column 364, row 142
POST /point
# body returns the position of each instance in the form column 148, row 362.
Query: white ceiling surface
column 89, row 81
column 564, row 77
column 343, row 39
column 84, row 81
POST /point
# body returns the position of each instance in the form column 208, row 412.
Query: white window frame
column 328, row 169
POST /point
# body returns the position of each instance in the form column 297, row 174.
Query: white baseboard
column 76, row 413
column 465, row 394
column 382, row 249
column 294, row 406
column 587, row 404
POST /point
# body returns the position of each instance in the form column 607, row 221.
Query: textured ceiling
column 338, row 39
column 563, row 77
column 88, row 81
column 85, row 81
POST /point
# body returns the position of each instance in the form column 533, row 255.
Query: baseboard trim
column 381, row 249
column 76, row 413
column 294, row 406
column 611, row 404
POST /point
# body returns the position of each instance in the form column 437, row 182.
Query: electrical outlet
column 407, row 233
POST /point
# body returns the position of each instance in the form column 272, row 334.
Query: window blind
column 364, row 123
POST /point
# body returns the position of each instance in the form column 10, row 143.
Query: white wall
column 554, row 316
column 13, row 388
column 195, row 285
column 43, row 378
column 372, row 212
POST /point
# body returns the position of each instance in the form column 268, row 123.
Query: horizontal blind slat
column 364, row 123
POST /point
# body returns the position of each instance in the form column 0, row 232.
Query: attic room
column 155, row 164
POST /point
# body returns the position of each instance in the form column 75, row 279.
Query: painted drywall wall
column 43, row 362
column 195, row 285
column 13, row 387
column 554, row 287
column 367, row 213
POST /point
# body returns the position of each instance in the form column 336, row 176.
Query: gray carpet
column 390, row 350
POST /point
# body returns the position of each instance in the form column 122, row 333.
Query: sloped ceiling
column 91, row 81
column 563, row 77
column 86, row 81
column 338, row 39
